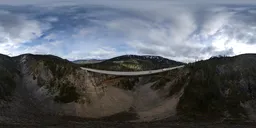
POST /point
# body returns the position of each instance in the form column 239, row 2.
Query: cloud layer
column 178, row 30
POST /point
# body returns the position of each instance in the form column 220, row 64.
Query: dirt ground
column 73, row 122
column 127, row 125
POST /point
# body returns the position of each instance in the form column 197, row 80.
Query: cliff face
column 33, row 86
column 61, row 87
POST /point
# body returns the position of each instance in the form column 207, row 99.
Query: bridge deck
column 136, row 73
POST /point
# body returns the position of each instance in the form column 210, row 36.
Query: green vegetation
column 214, row 89
column 159, row 83
column 59, row 68
column 133, row 63
column 66, row 91
column 128, row 83
column 8, row 70
column 169, row 77
column 177, row 85
column 67, row 94
column 89, row 61
column 7, row 85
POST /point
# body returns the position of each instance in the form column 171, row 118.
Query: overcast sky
column 183, row 30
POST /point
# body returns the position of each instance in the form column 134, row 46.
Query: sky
column 182, row 30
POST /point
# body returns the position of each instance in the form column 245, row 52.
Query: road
column 135, row 73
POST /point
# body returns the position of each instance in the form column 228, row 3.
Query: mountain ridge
column 86, row 61
column 134, row 63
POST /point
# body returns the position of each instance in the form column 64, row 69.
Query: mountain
column 89, row 61
column 49, row 89
column 134, row 63
column 221, row 87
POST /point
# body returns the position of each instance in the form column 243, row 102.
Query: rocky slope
column 37, row 86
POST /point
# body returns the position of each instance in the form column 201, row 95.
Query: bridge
column 132, row 73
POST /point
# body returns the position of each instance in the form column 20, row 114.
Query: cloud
column 252, row 11
column 216, row 30
column 50, row 37
column 16, row 30
column 178, row 30
column 52, row 47
column 52, row 19
column 215, row 21
column 120, row 3
column 177, row 37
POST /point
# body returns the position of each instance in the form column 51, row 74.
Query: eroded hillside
column 221, row 88
column 48, row 85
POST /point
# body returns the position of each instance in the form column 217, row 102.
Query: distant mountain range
column 134, row 63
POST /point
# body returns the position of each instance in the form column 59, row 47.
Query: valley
column 46, row 89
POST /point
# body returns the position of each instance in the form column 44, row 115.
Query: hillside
column 134, row 63
column 36, row 88
column 8, row 73
column 88, row 61
column 221, row 87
